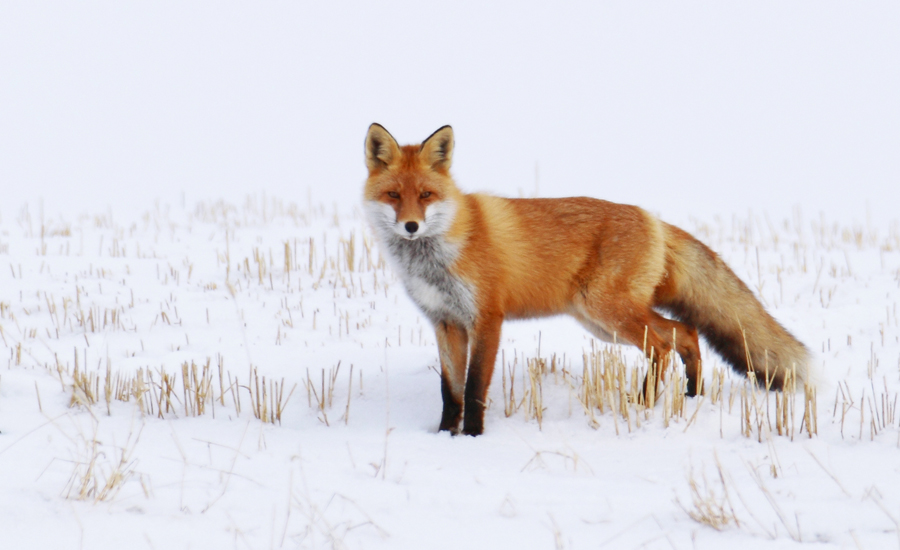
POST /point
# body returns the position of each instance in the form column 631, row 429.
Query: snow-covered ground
column 101, row 312
column 204, row 348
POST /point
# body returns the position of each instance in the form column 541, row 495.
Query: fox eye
column 393, row 194
column 425, row 194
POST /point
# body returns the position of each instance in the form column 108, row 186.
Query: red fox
column 470, row 261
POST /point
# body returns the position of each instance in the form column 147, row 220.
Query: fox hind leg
column 646, row 329
column 662, row 336
column 684, row 339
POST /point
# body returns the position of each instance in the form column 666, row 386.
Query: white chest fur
column 424, row 264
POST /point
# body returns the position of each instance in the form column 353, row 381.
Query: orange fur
column 470, row 261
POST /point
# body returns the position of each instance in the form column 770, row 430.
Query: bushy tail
column 709, row 296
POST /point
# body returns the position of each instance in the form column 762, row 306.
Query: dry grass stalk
column 85, row 388
column 710, row 502
column 197, row 388
column 349, row 247
column 267, row 400
column 287, row 257
column 716, row 387
column 532, row 400
column 510, row 403
column 610, row 384
column 755, row 408
column 607, row 384
column 793, row 528
column 159, row 393
column 96, row 477
column 349, row 395
column 881, row 406
column 324, row 395
column 810, row 413
column 535, row 409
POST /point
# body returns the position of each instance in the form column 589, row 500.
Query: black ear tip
column 375, row 126
column 378, row 131
column 438, row 131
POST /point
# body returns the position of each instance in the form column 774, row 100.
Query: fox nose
column 411, row 227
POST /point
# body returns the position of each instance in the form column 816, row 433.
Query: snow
column 160, row 162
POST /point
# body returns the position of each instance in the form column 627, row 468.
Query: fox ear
column 437, row 150
column 381, row 148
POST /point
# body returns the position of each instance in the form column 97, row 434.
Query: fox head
column 409, row 192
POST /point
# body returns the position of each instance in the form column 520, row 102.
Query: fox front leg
column 486, row 341
column 453, row 348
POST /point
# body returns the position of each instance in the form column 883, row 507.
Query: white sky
column 687, row 109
